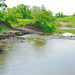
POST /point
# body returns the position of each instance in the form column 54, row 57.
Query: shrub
column 2, row 14
column 2, row 28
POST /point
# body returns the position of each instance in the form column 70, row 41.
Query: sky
column 65, row 6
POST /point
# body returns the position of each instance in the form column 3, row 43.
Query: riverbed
column 54, row 56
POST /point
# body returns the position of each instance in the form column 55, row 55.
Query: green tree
column 10, row 16
column 60, row 15
column 3, row 6
column 2, row 14
column 23, row 10
column 45, row 20
column 43, row 8
column 35, row 11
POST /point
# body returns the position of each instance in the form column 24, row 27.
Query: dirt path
column 27, row 30
column 64, row 24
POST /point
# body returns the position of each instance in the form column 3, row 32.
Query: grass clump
column 30, row 38
column 35, row 39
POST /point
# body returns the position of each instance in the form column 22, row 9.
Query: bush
column 45, row 20
column 2, row 28
column 2, row 14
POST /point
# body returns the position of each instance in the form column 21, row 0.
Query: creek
column 50, row 57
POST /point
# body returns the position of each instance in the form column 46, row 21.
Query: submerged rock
column 1, row 50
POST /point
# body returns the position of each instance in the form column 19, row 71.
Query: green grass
column 4, row 28
column 58, row 25
column 64, row 31
column 30, row 38
column 35, row 39
column 72, row 24
column 68, row 19
column 23, row 22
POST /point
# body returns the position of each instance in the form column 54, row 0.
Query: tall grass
column 22, row 22
column 25, row 21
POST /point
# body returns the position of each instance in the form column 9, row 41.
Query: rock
column 19, row 37
column 5, row 33
column 68, row 34
column 17, row 34
column 1, row 50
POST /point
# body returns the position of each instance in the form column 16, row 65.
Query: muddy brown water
column 52, row 57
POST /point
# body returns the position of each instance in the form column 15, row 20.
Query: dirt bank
column 4, row 24
column 17, row 31
column 21, row 30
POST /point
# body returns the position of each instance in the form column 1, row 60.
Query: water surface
column 65, row 28
column 52, row 57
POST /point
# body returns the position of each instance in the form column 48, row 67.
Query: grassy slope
column 63, row 31
column 4, row 26
column 68, row 19
column 22, row 22
column 71, row 24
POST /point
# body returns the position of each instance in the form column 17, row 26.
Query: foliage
column 22, row 22
column 67, row 19
column 71, row 24
column 43, row 8
column 60, row 15
column 23, row 15
column 70, row 19
column 3, row 6
column 58, row 24
column 10, row 16
column 25, row 21
column 24, row 10
column 45, row 20
column 3, row 28
column 35, row 11
column 2, row 14
column 63, row 31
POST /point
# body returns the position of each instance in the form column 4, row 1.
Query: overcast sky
column 65, row 6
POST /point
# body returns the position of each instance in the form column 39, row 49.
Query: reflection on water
column 53, row 57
